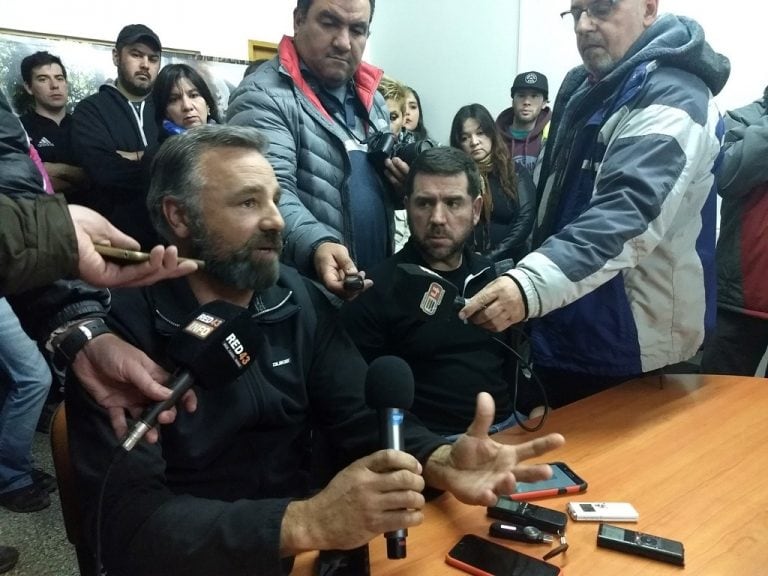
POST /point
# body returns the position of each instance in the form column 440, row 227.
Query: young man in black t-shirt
column 47, row 122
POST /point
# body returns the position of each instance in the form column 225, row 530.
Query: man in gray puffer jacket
column 317, row 103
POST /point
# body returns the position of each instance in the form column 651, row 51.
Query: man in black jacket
column 112, row 128
column 47, row 122
column 411, row 314
column 233, row 475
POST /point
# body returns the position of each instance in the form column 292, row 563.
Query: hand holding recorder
column 338, row 272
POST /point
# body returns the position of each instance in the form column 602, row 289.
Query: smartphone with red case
column 563, row 481
column 482, row 557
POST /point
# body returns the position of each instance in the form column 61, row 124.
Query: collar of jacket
column 173, row 301
column 366, row 77
column 478, row 265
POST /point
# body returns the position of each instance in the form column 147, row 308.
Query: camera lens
column 408, row 152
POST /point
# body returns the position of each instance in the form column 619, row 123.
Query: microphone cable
column 527, row 366
column 117, row 456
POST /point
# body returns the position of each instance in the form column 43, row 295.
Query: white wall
column 733, row 29
column 213, row 30
column 453, row 52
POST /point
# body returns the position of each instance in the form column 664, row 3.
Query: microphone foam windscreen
column 216, row 343
column 389, row 383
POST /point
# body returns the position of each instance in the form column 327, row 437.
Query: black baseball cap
column 138, row 33
column 531, row 81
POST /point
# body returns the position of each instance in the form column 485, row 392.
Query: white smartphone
column 603, row 511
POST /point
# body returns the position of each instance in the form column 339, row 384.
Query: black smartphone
column 563, row 481
column 482, row 557
column 647, row 545
column 527, row 514
column 353, row 562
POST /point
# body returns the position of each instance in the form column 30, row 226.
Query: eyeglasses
column 598, row 10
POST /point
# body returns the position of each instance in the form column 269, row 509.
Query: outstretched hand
column 477, row 469
column 120, row 378
column 332, row 265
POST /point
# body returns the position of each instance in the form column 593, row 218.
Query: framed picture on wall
column 259, row 50
column 89, row 65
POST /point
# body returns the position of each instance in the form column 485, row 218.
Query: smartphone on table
column 563, row 481
column 482, row 557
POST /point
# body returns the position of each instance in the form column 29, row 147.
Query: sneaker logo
column 45, row 142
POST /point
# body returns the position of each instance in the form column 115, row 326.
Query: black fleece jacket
column 103, row 123
column 210, row 497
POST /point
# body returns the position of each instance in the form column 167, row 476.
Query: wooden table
column 688, row 451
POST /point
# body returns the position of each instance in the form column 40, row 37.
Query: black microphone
column 211, row 348
column 389, row 390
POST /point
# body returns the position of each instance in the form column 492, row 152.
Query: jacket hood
column 675, row 41
column 679, row 42
column 111, row 88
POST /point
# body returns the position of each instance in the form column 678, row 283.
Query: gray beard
column 237, row 268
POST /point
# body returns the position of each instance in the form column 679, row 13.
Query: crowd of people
column 586, row 229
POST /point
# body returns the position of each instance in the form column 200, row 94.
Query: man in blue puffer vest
column 317, row 103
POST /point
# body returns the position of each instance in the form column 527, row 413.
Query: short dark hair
column 175, row 169
column 302, row 6
column 36, row 60
column 168, row 78
column 445, row 161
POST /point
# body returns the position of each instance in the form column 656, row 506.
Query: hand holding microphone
column 216, row 344
column 389, row 390
column 379, row 493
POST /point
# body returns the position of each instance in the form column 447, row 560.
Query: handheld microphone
column 389, row 390
column 212, row 348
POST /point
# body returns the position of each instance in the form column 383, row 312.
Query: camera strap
column 346, row 113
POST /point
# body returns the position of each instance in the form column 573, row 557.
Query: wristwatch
column 67, row 345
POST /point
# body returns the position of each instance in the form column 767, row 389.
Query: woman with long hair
column 508, row 195
column 182, row 100
column 413, row 123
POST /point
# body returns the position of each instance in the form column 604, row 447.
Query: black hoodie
column 103, row 123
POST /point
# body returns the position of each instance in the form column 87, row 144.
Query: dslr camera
column 383, row 145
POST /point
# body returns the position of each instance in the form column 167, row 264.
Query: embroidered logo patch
column 432, row 299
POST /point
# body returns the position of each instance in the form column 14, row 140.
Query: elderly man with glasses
column 621, row 282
